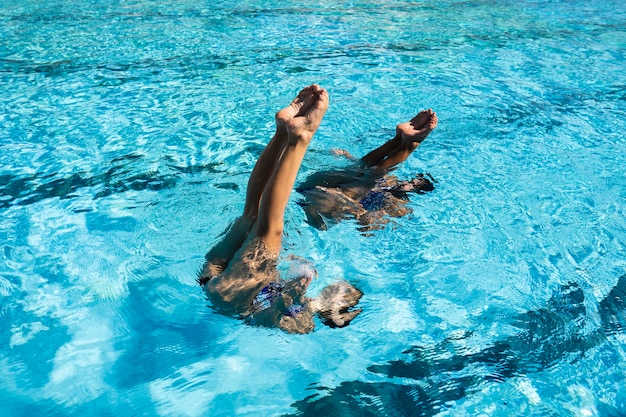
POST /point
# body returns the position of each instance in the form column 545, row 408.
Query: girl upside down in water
column 365, row 191
column 240, row 276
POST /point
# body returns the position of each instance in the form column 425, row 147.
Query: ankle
column 300, row 137
column 281, row 132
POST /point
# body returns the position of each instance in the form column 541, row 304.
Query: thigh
column 251, row 269
column 220, row 255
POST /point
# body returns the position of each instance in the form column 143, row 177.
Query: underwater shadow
column 122, row 176
column 432, row 376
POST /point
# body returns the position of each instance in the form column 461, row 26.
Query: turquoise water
column 128, row 130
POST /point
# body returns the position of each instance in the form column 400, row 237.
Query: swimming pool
column 128, row 130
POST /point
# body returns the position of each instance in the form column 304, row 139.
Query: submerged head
column 335, row 304
column 419, row 184
column 285, row 304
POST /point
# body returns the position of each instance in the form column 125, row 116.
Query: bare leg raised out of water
column 222, row 253
column 300, row 129
column 408, row 137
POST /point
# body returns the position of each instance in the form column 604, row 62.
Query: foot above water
column 306, row 110
column 310, row 114
column 418, row 128
column 298, row 105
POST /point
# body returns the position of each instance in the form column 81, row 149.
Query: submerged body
column 252, row 289
column 366, row 191
column 369, row 196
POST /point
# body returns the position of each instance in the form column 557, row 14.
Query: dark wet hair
column 420, row 185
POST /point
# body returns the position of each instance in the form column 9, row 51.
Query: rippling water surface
column 128, row 130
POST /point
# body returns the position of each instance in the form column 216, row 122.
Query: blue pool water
column 128, row 130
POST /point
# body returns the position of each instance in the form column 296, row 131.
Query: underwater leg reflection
column 434, row 375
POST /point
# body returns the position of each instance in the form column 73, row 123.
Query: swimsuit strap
column 268, row 295
column 374, row 200
column 293, row 310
